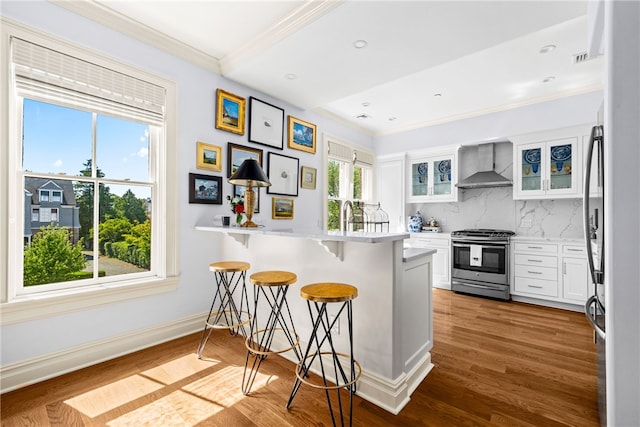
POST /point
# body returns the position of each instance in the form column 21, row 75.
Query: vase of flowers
column 237, row 207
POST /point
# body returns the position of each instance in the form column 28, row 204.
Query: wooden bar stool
column 230, row 278
column 345, row 369
column 273, row 286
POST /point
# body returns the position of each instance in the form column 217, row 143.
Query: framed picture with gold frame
column 230, row 111
column 281, row 208
column 302, row 135
column 308, row 177
column 208, row 157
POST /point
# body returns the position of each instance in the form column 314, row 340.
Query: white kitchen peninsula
column 392, row 321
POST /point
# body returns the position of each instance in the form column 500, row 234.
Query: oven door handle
column 474, row 285
column 464, row 245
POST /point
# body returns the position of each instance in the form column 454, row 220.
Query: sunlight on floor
column 193, row 403
column 110, row 396
column 179, row 369
column 176, row 409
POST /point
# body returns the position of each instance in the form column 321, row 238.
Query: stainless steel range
column 480, row 262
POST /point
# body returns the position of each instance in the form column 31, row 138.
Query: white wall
column 196, row 103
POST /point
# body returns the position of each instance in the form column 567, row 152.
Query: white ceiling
column 480, row 56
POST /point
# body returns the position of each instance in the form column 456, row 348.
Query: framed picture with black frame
column 266, row 123
column 205, row 189
column 238, row 154
column 283, row 175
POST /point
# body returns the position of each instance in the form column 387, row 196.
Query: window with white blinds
column 48, row 75
column 75, row 117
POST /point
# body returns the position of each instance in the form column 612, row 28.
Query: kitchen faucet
column 345, row 218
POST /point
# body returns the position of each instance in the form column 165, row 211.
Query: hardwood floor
column 495, row 363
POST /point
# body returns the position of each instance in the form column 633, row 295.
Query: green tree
column 84, row 199
column 113, row 230
column 130, row 207
column 51, row 257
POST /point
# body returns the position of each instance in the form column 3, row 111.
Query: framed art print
column 208, row 157
column 238, row 153
column 308, row 177
column 283, row 175
column 230, row 112
column 205, row 189
column 281, row 208
column 302, row 135
column 266, row 123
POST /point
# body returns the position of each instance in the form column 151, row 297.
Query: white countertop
column 337, row 236
column 411, row 254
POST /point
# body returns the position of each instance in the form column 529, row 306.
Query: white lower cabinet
column 441, row 259
column 550, row 270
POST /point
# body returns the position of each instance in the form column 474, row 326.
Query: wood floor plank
column 496, row 364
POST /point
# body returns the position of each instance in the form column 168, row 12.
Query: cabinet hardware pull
column 574, row 250
column 534, row 272
column 534, row 247
column 535, row 286
column 564, row 268
column 534, row 260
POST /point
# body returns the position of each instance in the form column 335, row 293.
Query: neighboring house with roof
column 48, row 201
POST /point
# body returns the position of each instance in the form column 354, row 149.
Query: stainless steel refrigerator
column 593, row 205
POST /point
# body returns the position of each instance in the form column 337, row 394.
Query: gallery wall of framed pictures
column 265, row 127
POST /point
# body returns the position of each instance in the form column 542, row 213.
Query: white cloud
column 57, row 163
column 143, row 152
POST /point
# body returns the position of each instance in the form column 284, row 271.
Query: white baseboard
column 390, row 395
column 31, row 371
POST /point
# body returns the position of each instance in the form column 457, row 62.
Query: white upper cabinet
column 548, row 168
column 432, row 177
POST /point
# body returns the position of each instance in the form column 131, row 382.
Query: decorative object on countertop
column 237, row 207
column 429, row 229
column 432, row 222
column 249, row 174
column 431, row 226
column 415, row 223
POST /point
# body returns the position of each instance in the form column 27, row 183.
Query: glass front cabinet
column 549, row 169
column 432, row 178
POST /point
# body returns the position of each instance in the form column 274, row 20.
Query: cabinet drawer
column 426, row 242
column 536, row 260
column 574, row 250
column 535, row 272
column 536, row 286
column 537, row 247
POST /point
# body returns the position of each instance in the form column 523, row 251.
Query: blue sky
column 59, row 140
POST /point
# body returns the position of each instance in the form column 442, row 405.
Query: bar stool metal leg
column 230, row 279
column 273, row 287
column 346, row 370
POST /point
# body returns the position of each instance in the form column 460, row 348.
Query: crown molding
column 302, row 16
column 116, row 21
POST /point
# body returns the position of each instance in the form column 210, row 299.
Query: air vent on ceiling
column 580, row 57
column 363, row 116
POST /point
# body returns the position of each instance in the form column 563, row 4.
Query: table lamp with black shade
column 250, row 175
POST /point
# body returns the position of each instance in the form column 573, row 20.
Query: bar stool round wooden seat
column 227, row 312
column 343, row 368
column 273, row 287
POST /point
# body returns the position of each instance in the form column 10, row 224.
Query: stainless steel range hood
column 486, row 176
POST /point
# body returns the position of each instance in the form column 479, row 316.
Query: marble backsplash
column 495, row 208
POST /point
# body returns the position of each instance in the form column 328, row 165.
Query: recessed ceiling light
column 548, row 79
column 392, row 119
column 366, row 104
column 437, row 94
column 360, row 44
column 363, row 116
column 290, row 76
column 547, row 48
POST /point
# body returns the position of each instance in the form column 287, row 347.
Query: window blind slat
column 40, row 70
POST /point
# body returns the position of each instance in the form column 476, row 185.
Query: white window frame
column 350, row 160
column 165, row 204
